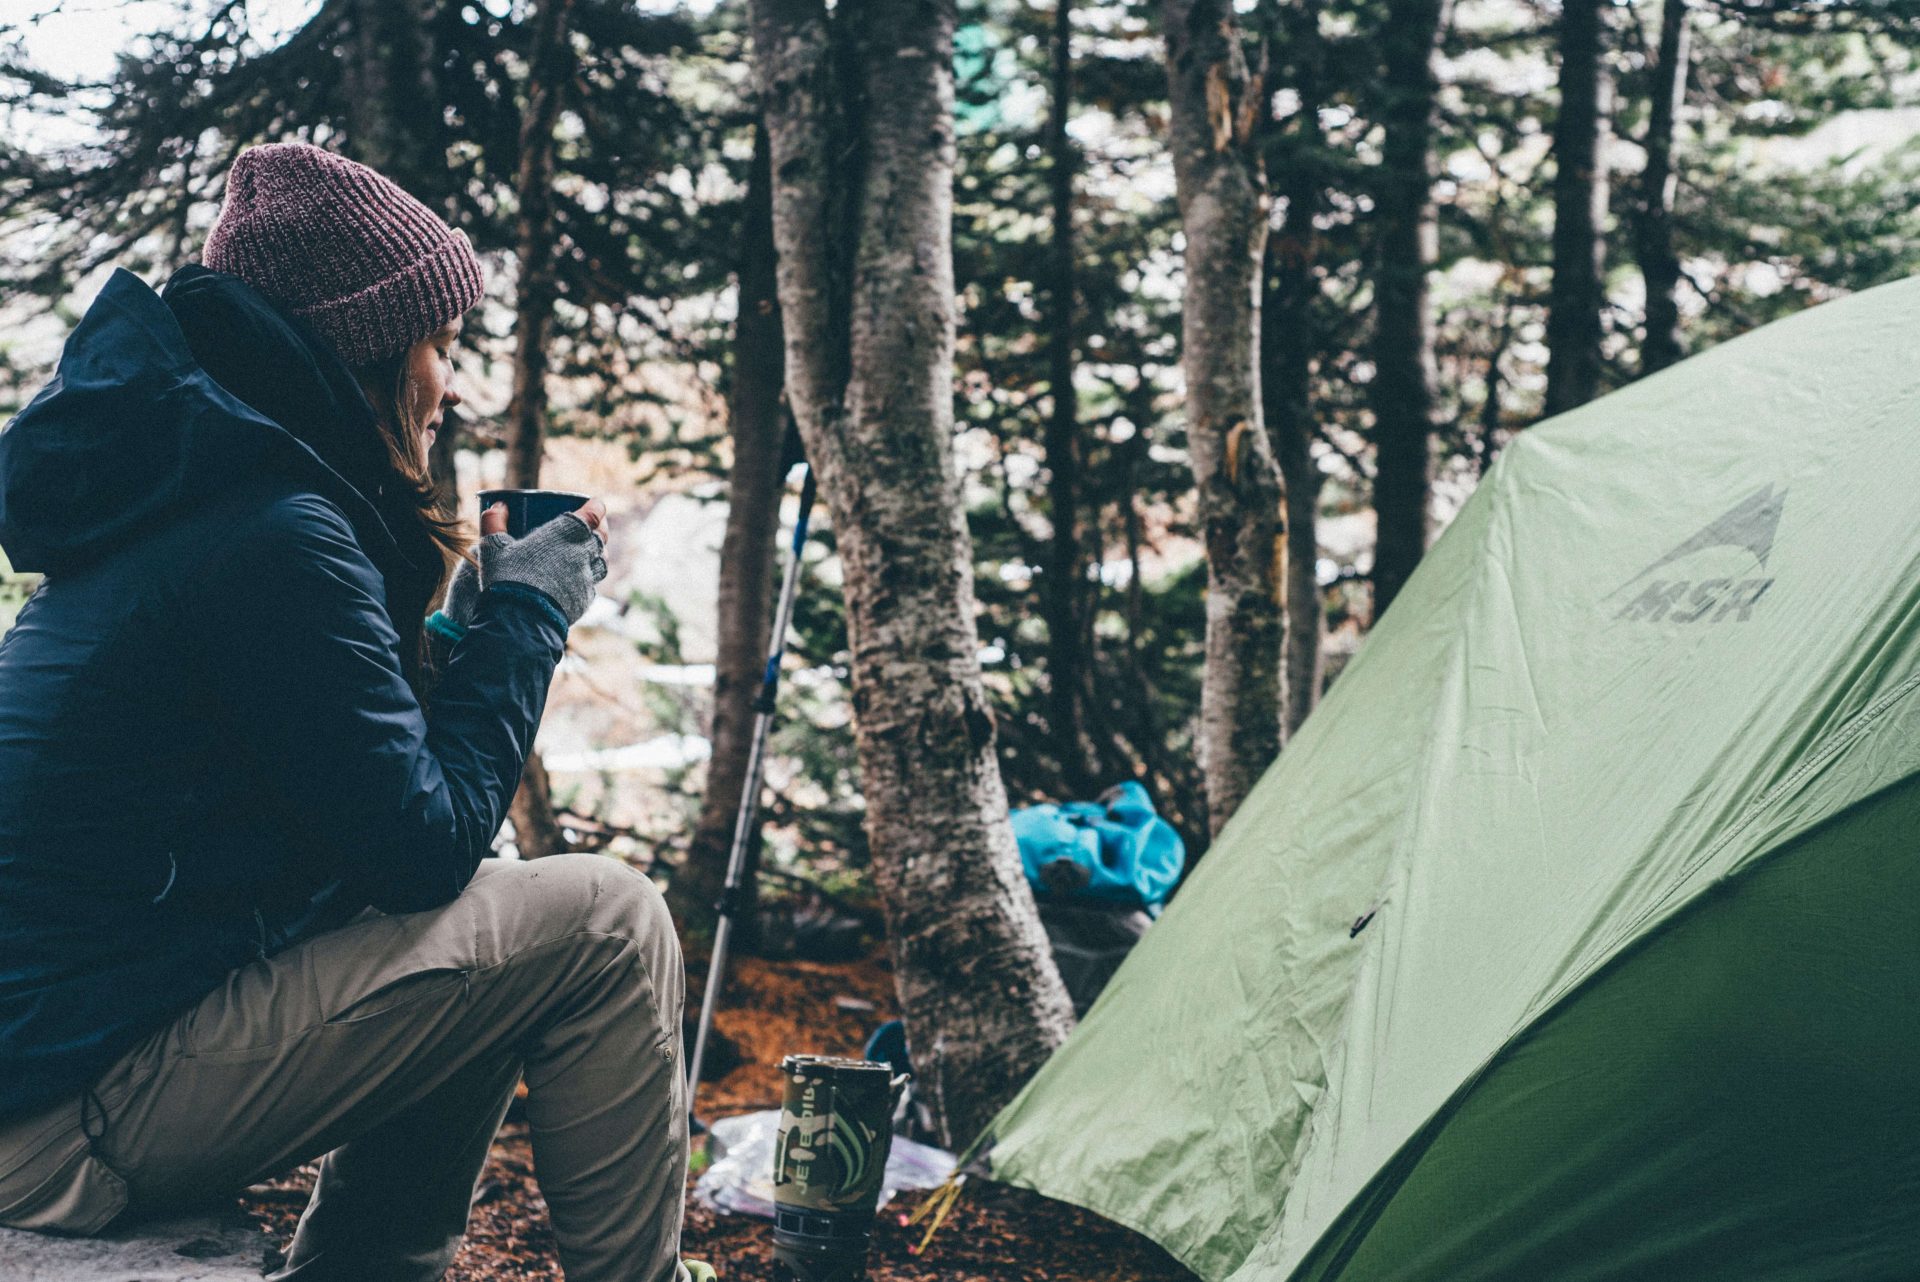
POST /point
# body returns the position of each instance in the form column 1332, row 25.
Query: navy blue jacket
column 208, row 741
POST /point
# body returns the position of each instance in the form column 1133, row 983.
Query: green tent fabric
column 1577, row 934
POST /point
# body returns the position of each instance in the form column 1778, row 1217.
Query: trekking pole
column 731, row 899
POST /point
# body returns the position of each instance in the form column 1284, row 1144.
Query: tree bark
column 396, row 118
column 1579, row 210
column 536, row 829
column 1223, row 210
column 1288, row 338
column 1403, row 382
column 537, row 832
column 1064, row 597
column 396, row 122
column 1653, row 238
column 863, row 224
column 747, row 557
column 535, row 246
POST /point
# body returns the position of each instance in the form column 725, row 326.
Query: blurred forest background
column 1455, row 217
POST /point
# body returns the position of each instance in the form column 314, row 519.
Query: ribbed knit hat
column 334, row 243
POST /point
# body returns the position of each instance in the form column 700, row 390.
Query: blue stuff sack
column 1114, row 850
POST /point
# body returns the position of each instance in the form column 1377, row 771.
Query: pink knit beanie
column 373, row 270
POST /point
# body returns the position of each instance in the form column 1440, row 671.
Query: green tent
column 1577, row 934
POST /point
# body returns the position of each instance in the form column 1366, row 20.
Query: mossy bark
column 1215, row 105
column 859, row 108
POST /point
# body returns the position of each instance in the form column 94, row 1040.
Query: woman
column 244, row 915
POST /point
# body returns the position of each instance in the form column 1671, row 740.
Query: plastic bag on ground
column 740, row 1180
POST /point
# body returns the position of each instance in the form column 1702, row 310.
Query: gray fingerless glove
column 450, row 621
column 463, row 593
column 561, row 559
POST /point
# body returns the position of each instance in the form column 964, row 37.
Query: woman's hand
column 561, row 559
column 463, row 593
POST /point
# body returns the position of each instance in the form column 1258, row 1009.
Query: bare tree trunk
column 747, row 556
column 1579, row 210
column 1492, row 405
column 1223, row 210
column 1064, row 597
column 1653, row 238
column 534, row 250
column 1288, row 338
column 536, row 829
column 1403, row 381
column 397, row 124
column 536, row 832
column 868, row 303
column 395, row 112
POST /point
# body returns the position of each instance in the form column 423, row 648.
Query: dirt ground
column 995, row 1234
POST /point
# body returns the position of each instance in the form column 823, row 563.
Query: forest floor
column 776, row 1008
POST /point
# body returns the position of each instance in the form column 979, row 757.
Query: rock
column 206, row 1246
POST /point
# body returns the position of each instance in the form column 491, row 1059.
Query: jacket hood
column 162, row 399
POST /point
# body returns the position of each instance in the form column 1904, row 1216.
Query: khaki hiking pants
column 392, row 1045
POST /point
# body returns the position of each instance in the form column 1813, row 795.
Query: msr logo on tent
column 1749, row 527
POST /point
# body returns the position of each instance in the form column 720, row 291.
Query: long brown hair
column 388, row 384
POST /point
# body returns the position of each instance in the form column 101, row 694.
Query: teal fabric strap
column 445, row 628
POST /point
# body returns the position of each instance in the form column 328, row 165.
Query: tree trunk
column 1579, row 211
column 536, row 832
column 1492, row 406
column 1064, row 597
column 1223, row 210
column 863, row 224
column 1403, row 381
column 747, row 557
column 396, row 118
column 1653, row 237
column 396, row 122
column 535, row 248
column 1288, row 338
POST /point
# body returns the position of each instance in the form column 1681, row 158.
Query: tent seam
column 1848, row 734
column 1471, row 1082
column 1495, row 485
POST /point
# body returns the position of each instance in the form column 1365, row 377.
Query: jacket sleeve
column 306, row 661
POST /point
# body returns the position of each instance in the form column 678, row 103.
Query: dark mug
column 531, row 509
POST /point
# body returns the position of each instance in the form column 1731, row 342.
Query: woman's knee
column 579, row 897
column 613, row 897
column 625, row 903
